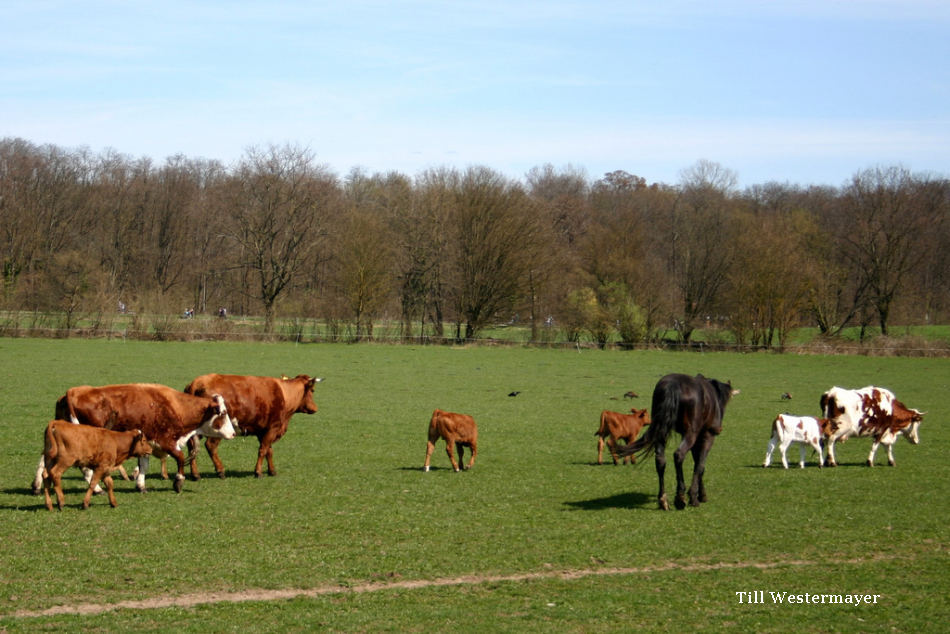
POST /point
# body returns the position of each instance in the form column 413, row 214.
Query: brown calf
column 457, row 430
column 615, row 426
column 101, row 450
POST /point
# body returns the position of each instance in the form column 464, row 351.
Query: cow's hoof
column 426, row 468
column 85, row 506
column 664, row 504
column 870, row 464
column 37, row 491
column 258, row 474
column 179, row 484
column 891, row 463
column 221, row 474
column 703, row 497
column 679, row 502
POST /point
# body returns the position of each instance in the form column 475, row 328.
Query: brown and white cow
column 167, row 417
column 615, row 426
column 870, row 411
column 259, row 406
column 99, row 450
column 805, row 430
column 458, row 430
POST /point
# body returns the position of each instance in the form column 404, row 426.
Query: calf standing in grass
column 615, row 426
column 458, row 430
column 99, row 450
column 805, row 430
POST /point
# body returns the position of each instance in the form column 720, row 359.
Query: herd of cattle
column 869, row 412
column 99, row 428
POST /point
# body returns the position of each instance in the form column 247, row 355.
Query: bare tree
column 620, row 245
column 496, row 233
column 425, row 263
column 413, row 236
column 888, row 213
column 168, row 221
column 562, row 197
column 279, row 199
column 72, row 286
column 43, row 209
column 770, row 280
column 364, row 269
column 698, row 243
column 205, row 244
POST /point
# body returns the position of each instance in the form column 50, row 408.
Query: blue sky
column 808, row 92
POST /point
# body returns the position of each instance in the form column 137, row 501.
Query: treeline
column 612, row 259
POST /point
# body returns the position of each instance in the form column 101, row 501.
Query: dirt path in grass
column 199, row 598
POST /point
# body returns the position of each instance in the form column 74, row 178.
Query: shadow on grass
column 38, row 501
column 620, row 501
column 607, row 463
column 211, row 476
column 74, row 495
column 793, row 464
column 433, row 468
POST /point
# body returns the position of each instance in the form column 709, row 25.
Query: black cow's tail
column 665, row 410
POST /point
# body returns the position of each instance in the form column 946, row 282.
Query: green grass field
column 350, row 505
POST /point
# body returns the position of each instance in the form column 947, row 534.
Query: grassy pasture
column 350, row 504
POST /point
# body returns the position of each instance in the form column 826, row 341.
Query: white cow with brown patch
column 870, row 411
column 807, row 431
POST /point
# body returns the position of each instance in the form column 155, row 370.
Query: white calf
column 805, row 430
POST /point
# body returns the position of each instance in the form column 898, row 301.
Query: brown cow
column 167, row 417
column 458, row 430
column 260, row 406
column 68, row 445
column 615, row 426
